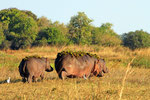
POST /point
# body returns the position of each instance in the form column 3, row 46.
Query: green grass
column 142, row 61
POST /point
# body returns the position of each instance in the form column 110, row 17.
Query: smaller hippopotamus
column 33, row 67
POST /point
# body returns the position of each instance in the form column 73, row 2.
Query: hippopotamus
column 33, row 67
column 84, row 65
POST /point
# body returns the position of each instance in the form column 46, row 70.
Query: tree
column 137, row 39
column 50, row 35
column 22, row 28
column 1, row 34
column 30, row 14
column 43, row 22
column 79, row 29
column 105, row 35
column 61, row 26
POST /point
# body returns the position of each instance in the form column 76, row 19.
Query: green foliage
column 142, row 62
column 5, row 45
column 30, row 14
column 43, row 22
column 40, row 42
column 60, row 26
column 79, row 29
column 50, row 36
column 137, row 39
column 34, row 56
column 77, row 54
column 22, row 28
column 105, row 36
column 2, row 37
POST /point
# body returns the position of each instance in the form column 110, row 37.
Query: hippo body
column 32, row 68
column 82, row 66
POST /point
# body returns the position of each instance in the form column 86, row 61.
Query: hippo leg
column 24, row 79
column 100, row 74
column 64, row 74
column 34, row 79
column 84, row 76
column 30, row 78
column 42, row 76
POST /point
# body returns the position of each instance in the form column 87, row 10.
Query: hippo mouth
column 105, row 71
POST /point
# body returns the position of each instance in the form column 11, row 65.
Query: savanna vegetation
column 127, row 57
column 20, row 29
column 136, row 85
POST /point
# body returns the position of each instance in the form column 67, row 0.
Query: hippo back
column 33, row 64
column 74, row 65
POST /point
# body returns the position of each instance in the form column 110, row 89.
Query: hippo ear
column 46, row 60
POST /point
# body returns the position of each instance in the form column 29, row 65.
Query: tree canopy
column 79, row 28
column 137, row 39
column 51, row 36
column 105, row 35
column 21, row 29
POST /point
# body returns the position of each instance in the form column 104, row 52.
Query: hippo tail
column 22, row 68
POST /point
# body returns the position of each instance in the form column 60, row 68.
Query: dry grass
column 137, row 84
column 124, row 79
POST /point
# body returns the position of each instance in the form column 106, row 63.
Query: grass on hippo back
column 34, row 56
column 77, row 54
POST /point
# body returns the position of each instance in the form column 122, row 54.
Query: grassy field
column 134, row 84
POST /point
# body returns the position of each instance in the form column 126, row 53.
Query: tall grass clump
column 125, row 77
column 141, row 61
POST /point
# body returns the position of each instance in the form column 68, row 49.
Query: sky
column 125, row 15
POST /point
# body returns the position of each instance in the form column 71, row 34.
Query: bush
column 41, row 42
column 108, row 40
column 22, row 28
column 105, row 36
column 50, row 36
column 1, row 33
column 141, row 61
column 5, row 45
column 137, row 39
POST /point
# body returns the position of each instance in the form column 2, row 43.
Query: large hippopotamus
column 32, row 67
column 79, row 64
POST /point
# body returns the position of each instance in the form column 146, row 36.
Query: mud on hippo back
column 32, row 67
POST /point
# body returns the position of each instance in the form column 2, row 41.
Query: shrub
column 50, row 36
column 141, row 61
column 1, row 33
column 5, row 45
column 22, row 28
column 137, row 39
column 105, row 36
column 41, row 42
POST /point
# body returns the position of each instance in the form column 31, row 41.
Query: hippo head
column 48, row 67
column 100, row 68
